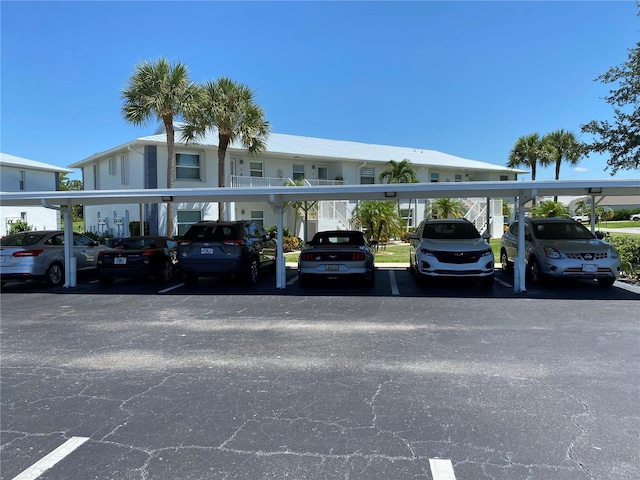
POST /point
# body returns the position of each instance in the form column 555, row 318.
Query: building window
column 124, row 170
column 255, row 169
column 367, row 176
column 187, row 166
column 298, row 172
column 504, row 178
column 23, row 180
column 472, row 178
column 112, row 166
column 458, row 178
column 96, row 176
column 186, row 218
column 435, row 177
column 258, row 217
column 407, row 216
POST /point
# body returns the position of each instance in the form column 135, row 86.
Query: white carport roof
column 507, row 189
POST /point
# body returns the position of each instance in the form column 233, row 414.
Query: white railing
column 238, row 181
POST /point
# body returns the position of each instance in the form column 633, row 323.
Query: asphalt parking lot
column 450, row 382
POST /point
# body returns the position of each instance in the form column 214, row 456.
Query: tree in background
column 563, row 147
column 528, row 151
column 446, row 208
column 380, row 219
column 548, row 208
column 621, row 139
column 230, row 108
column 20, row 226
column 65, row 184
column 398, row 172
column 160, row 91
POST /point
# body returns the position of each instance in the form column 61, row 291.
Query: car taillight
column 307, row 257
column 234, row 243
column 27, row 253
column 100, row 253
column 357, row 256
column 148, row 253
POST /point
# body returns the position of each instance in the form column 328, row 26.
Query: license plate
column 206, row 251
column 332, row 268
column 589, row 268
column 120, row 260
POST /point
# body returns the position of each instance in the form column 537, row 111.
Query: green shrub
column 20, row 226
column 290, row 244
column 629, row 249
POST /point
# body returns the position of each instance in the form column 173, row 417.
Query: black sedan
column 147, row 256
column 337, row 254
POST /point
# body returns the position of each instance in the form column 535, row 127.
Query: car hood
column 454, row 245
column 576, row 246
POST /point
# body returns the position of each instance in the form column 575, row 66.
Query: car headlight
column 425, row 251
column 486, row 253
column 614, row 253
column 552, row 252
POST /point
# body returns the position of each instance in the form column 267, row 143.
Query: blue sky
column 464, row 78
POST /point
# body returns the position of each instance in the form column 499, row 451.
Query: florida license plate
column 120, row 260
column 589, row 268
column 332, row 267
column 206, row 251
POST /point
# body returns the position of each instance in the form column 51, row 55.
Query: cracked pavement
column 325, row 387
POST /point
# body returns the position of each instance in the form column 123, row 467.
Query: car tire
column 487, row 282
column 104, row 280
column 253, row 272
column 55, row 274
column 606, row 282
column 533, row 269
column 371, row 281
column 421, row 280
column 303, row 281
column 166, row 273
column 190, row 280
column 507, row 266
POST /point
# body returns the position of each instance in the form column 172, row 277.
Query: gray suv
column 225, row 248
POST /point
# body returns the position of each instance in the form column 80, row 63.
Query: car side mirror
column 413, row 236
column 486, row 235
column 599, row 235
column 527, row 237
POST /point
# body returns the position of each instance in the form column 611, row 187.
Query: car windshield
column 561, row 231
column 21, row 239
column 450, row 231
column 338, row 239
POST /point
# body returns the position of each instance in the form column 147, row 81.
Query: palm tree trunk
column 171, row 170
column 555, row 197
column 223, row 143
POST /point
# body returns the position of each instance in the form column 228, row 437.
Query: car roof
column 447, row 220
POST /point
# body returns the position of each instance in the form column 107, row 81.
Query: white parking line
column 394, row 284
column 45, row 463
column 293, row 280
column 171, row 288
column 441, row 469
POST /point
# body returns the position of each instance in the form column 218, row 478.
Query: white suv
column 450, row 248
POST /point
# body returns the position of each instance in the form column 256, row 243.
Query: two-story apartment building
column 23, row 175
column 142, row 163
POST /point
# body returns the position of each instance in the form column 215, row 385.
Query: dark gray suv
column 222, row 248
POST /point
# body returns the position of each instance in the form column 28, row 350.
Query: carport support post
column 70, row 264
column 281, row 272
column 519, row 268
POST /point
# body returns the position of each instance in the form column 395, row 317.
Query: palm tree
column 230, row 108
column 528, row 151
column 379, row 218
column 564, row 146
column 160, row 91
column 398, row 172
column 447, row 208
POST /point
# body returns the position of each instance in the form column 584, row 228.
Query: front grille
column 587, row 256
column 458, row 257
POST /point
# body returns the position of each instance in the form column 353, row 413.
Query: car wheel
column 535, row 274
column 190, row 280
column 487, row 282
column 371, row 281
column 504, row 260
column 251, row 275
column 104, row 280
column 55, row 274
column 303, row 281
column 166, row 273
column 606, row 282
column 421, row 280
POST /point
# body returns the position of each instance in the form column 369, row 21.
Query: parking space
column 140, row 380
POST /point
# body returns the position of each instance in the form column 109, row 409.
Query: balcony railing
column 259, row 182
